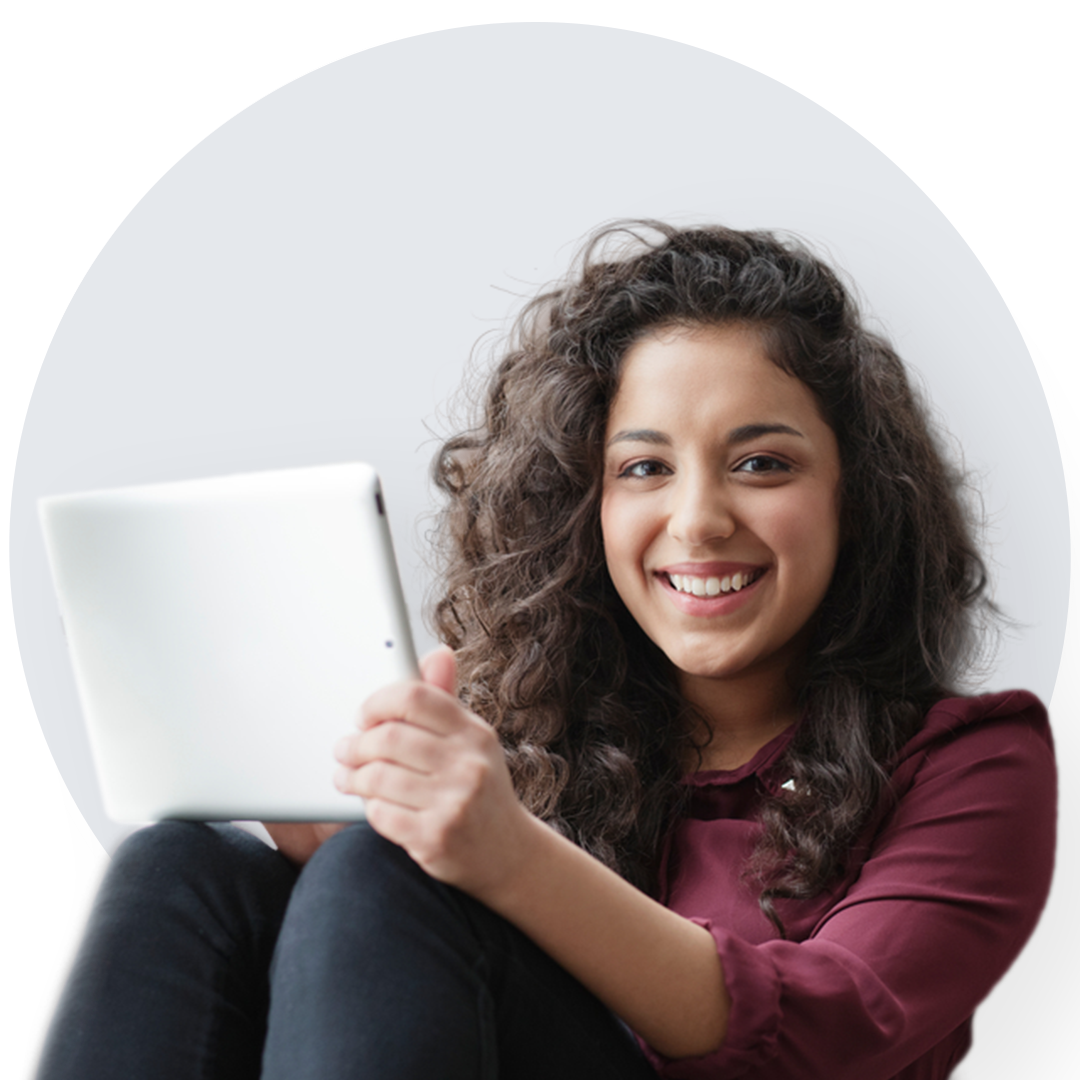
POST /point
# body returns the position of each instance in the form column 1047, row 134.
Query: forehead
column 709, row 374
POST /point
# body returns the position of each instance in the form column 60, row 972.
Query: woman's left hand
column 434, row 779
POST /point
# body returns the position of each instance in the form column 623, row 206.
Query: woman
column 710, row 590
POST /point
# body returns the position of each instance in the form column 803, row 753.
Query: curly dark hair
column 587, row 707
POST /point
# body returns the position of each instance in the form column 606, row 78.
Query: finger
column 439, row 668
column 396, row 741
column 387, row 782
column 394, row 822
column 417, row 703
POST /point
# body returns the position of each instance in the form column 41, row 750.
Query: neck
column 738, row 716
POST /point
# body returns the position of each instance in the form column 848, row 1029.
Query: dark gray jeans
column 209, row 956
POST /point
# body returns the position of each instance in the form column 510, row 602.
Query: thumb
column 439, row 668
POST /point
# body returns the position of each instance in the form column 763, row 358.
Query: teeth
column 712, row 586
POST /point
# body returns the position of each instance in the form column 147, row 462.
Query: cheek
column 623, row 545
column 610, row 533
column 807, row 532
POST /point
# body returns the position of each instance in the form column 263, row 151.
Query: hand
column 435, row 781
column 300, row 840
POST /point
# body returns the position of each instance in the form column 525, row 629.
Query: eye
column 762, row 465
column 642, row 469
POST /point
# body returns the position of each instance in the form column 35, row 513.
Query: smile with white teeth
column 713, row 586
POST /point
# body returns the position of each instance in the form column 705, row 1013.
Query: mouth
column 710, row 586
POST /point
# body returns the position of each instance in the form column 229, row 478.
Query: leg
column 381, row 971
column 170, row 981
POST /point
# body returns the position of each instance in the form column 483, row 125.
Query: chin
column 701, row 666
column 744, row 659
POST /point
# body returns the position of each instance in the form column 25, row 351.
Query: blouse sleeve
column 951, row 890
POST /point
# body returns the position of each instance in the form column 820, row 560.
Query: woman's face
column 720, row 511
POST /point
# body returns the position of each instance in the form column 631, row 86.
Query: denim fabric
column 207, row 956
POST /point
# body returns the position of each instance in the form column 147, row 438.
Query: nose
column 699, row 510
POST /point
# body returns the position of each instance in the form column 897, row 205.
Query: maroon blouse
column 879, row 976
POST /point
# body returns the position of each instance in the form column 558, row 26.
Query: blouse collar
column 760, row 764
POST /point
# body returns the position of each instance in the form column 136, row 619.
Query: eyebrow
column 746, row 433
column 749, row 432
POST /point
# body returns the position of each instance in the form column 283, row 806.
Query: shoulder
column 965, row 726
column 1007, row 734
column 958, row 712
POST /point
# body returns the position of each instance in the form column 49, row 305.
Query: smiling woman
column 789, row 758
column 698, row 765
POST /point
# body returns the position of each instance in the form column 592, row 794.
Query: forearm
column 656, row 970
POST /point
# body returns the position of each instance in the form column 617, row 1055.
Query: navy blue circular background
column 307, row 284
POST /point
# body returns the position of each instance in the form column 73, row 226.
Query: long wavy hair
column 595, row 730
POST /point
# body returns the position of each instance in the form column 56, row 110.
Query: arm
column 886, row 970
column 436, row 782
column 948, row 893
column 655, row 969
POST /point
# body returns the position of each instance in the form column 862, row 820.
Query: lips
column 710, row 588
column 714, row 585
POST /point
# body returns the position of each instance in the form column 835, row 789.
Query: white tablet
column 224, row 633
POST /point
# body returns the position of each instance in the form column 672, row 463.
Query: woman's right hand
column 298, row 841
column 435, row 781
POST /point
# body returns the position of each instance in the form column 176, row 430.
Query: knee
column 167, row 840
column 174, row 859
column 358, row 874
column 358, row 896
column 184, row 846
column 356, row 862
column 358, row 847
column 359, row 855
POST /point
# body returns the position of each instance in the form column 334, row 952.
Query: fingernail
column 341, row 747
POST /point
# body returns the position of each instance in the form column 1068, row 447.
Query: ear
column 439, row 668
